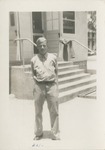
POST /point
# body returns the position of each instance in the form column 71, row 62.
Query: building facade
column 55, row 26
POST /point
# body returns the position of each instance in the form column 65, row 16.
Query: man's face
column 42, row 47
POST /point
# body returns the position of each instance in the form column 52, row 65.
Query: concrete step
column 78, row 83
column 64, row 63
column 69, row 73
column 73, row 78
column 65, row 73
column 68, row 67
column 27, row 68
column 70, row 94
column 91, row 94
column 60, row 68
column 29, row 73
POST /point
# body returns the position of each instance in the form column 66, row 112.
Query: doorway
column 37, row 25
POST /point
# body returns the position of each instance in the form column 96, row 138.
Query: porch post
column 71, row 50
column 18, row 56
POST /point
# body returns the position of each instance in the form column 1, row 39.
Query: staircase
column 72, row 81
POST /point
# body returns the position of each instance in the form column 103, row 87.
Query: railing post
column 72, row 53
column 23, row 60
column 22, row 48
column 70, row 47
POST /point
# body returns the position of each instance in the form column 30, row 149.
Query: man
column 44, row 70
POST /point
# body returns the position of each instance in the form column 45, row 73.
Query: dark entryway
column 37, row 27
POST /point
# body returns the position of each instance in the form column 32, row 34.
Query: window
column 12, row 19
column 52, row 21
column 68, row 22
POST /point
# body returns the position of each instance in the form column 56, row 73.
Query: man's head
column 42, row 45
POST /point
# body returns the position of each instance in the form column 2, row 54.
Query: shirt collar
column 43, row 56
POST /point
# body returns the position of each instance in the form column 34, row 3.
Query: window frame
column 70, row 21
column 52, row 18
column 12, row 19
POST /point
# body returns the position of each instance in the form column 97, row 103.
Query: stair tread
column 70, row 71
column 64, row 62
column 73, row 77
column 59, row 62
column 60, row 67
column 91, row 92
column 68, row 66
column 29, row 72
column 63, row 72
column 61, row 94
column 93, row 77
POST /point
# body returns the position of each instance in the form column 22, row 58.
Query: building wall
column 79, row 35
column 12, row 36
column 25, row 22
column 26, row 32
column 21, row 83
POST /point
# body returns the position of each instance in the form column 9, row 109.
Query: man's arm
column 32, row 69
column 56, row 68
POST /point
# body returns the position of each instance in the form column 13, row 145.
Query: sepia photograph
column 52, row 59
column 53, row 100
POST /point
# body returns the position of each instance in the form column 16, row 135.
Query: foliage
column 92, row 20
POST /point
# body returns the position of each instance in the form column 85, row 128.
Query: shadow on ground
column 47, row 135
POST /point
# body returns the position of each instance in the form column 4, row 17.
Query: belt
column 46, row 82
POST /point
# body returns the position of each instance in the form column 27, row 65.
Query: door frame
column 37, row 34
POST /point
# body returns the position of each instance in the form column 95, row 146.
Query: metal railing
column 67, row 41
column 21, row 40
column 27, row 39
column 83, row 45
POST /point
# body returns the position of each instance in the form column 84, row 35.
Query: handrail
column 61, row 40
column 82, row 45
column 66, row 42
column 22, row 39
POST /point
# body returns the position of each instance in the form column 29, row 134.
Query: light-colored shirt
column 44, row 68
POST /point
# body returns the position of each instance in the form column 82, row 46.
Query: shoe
column 38, row 137
column 57, row 137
